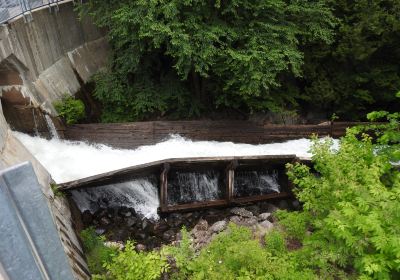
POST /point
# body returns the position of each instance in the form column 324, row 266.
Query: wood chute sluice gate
column 185, row 184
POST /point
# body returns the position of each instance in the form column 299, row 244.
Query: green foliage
column 216, row 53
column 97, row 253
column 70, row 109
column 132, row 265
column 352, row 204
column 234, row 254
column 295, row 226
column 56, row 190
column 360, row 68
column 275, row 242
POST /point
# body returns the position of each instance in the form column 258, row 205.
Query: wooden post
column 230, row 171
column 164, row 187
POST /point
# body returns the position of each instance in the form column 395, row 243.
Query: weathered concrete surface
column 49, row 51
column 40, row 61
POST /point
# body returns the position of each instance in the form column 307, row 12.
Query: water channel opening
column 17, row 107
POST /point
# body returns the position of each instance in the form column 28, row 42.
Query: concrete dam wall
column 45, row 59
column 42, row 60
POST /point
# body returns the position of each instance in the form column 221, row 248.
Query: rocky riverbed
column 121, row 224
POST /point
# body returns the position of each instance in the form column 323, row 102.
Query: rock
column 283, row 204
column 169, row 235
column 140, row 247
column 254, row 209
column 249, row 222
column 267, row 225
column 201, row 225
column 236, row 220
column 100, row 213
column 105, row 221
column 219, row 226
column 175, row 220
column 264, row 227
column 264, row 216
column 241, row 212
column 124, row 212
column 120, row 234
column 131, row 221
column 87, row 217
column 114, row 244
column 99, row 231
column 268, row 207
column 296, row 205
column 160, row 227
column 139, row 235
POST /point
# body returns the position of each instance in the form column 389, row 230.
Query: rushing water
column 247, row 183
column 186, row 187
column 68, row 160
column 140, row 193
column 52, row 129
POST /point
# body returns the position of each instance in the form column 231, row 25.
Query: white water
column 141, row 194
column 52, row 128
column 188, row 187
column 67, row 160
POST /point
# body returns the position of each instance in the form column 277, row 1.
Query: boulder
column 140, row 247
column 201, row 225
column 218, row 226
column 168, row 235
column 264, row 216
column 105, row 221
column 241, row 212
column 283, row 204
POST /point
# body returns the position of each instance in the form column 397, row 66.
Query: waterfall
column 140, row 194
column 35, row 128
column 185, row 187
column 52, row 129
column 247, row 183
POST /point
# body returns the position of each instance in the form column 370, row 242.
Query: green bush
column 132, row 265
column 275, row 242
column 235, row 254
column 353, row 204
column 97, row 254
column 70, row 109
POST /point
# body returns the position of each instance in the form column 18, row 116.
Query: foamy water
column 71, row 160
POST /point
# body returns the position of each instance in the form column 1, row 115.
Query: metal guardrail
column 10, row 9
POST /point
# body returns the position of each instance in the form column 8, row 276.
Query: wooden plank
column 164, row 187
column 194, row 205
column 256, row 198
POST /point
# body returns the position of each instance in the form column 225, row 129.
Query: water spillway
column 72, row 160
column 183, row 184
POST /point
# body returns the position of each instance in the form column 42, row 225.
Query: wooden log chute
column 224, row 167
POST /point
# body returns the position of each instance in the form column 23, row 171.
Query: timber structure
column 136, row 134
column 228, row 167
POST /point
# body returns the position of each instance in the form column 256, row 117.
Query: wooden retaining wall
column 132, row 135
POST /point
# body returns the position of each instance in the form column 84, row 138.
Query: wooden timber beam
column 164, row 187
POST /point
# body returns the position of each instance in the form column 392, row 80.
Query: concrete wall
column 40, row 61
column 51, row 50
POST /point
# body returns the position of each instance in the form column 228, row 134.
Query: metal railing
column 10, row 9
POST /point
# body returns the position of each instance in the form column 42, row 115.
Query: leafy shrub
column 235, row 254
column 352, row 208
column 132, row 265
column 97, row 253
column 295, row 225
column 70, row 109
column 275, row 242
